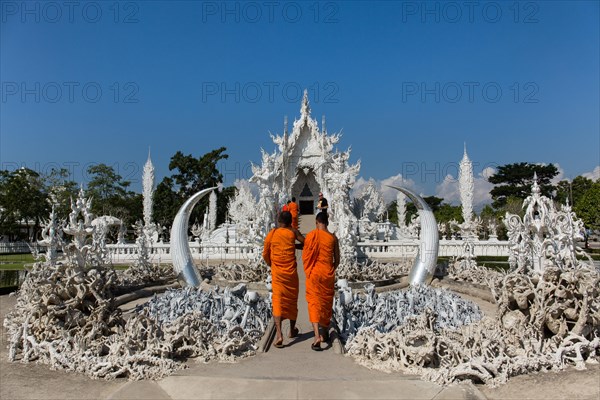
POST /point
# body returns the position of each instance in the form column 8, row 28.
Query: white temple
column 304, row 164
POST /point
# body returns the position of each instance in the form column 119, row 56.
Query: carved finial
column 535, row 188
column 305, row 109
column 285, row 125
column 148, row 152
column 323, row 127
column 465, row 144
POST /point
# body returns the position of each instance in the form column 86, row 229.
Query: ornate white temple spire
column 212, row 211
column 305, row 108
column 148, row 190
column 466, row 188
column 401, row 209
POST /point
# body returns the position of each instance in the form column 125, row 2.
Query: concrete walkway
column 294, row 372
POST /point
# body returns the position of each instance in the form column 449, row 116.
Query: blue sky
column 103, row 81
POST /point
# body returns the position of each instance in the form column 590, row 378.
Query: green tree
column 60, row 189
column 446, row 213
column 194, row 174
column 392, row 211
column 110, row 195
column 515, row 180
column 588, row 207
column 22, row 204
column 166, row 202
column 191, row 175
column 573, row 190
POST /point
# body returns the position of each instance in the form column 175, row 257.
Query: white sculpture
column 212, row 211
column 51, row 236
column 150, row 229
column 466, row 188
column 80, row 250
column 370, row 203
column 340, row 180
column 401, row 211
column 242, row 212
column 545, row 236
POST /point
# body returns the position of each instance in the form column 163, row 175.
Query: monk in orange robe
column 321, row 257
column 293, row 209
column 280, row 254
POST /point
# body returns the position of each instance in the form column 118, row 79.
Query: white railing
column 448, row 248
column 18, row 247
column 161, row 252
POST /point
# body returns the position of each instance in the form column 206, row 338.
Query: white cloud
column 448, row 190
column 560, row 176
column 593, row 175
column 389, row 194
column 251, row 185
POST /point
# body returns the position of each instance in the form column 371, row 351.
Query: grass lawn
column 18, row 258
column 11, row 262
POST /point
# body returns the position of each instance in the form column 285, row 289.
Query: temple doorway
column 305, row 190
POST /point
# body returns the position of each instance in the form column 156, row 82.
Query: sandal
column 326, row 337
column 278, row 344
column 316, row 346
column 294, row 333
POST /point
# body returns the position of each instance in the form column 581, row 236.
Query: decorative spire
column 465, row 156
column 323, row 127
column 148, row 190
column 285, row 125
column 305, row 108
column 466, row 190
column 535, row 188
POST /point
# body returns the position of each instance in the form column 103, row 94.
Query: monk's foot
column 316, row 346
column 294, row 333
column 325, row 336
column 278, row 343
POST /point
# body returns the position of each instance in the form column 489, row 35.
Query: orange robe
column 318, row 256
column 294, row 211
column 280, row 245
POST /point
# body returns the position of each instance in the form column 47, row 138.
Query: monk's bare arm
column 267, row 250
column 299, row 236
column 336, row 254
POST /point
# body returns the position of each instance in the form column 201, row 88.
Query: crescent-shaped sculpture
column 183, row 264
column 424, row 266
